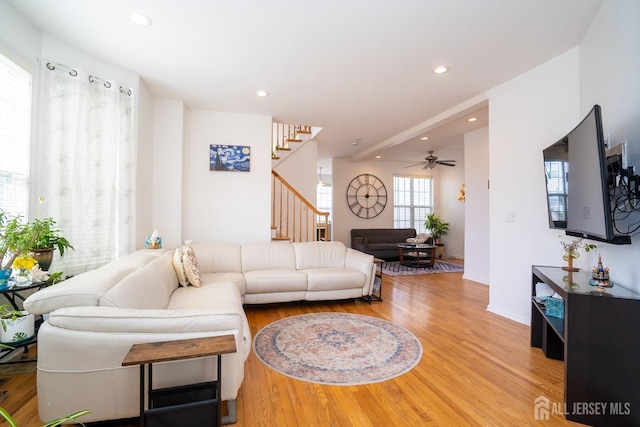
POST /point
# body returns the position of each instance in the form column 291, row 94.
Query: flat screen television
column 577, row 183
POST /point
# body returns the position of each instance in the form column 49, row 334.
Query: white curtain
column 86, row 165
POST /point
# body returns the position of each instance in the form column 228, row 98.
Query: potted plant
column 11, row 244
column 42, row 237
column 438, row 229
column 57, row 422
column 16, row 325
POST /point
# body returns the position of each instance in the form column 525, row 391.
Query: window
column 324, row 197
column 412, row 201
column 557, row 189
column 15, row 124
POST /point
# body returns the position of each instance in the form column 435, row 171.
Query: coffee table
column 416, row 254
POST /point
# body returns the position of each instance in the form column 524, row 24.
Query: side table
column 376, row 292
column 13, row 296
column 194, row 404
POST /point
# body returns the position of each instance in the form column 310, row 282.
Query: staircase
column 293, row 218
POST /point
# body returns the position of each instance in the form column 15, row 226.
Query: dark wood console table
column 598, row 340
column 195, row 404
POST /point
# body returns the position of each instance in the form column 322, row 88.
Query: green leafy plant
column 11, row 239
column 43, row 234
column 436, row 226
column 57, row 422
column 18, row 238
column 8, row 314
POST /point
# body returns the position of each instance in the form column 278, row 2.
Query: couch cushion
column 150, row 286
column 190, row 263
column 384, row 235
column 218, row 257
column 178, row 266
column 235, row 278
column 276, row 280
column 87, row 288
column 319, row 254
column 267, row 256
column 326, row 279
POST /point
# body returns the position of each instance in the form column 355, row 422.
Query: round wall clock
column 366, row 196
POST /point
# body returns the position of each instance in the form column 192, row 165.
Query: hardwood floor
column 477, row 367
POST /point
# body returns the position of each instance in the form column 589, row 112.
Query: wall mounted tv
column 577, row 183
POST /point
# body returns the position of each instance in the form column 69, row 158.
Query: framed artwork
column 236, row 158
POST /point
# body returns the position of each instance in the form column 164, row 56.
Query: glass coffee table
column 416, row 255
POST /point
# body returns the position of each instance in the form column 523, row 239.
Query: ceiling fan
column 432, row 161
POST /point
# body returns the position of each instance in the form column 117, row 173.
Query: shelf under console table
column 599, row 343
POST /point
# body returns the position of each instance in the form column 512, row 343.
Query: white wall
column 610, row 77
column 144, row 165
column 226, row 206
column 476, row 212
column 526, row 114
column 447, row 182
column 19, row 39
column 168, row 167
column 530, row 112
column 300, row 170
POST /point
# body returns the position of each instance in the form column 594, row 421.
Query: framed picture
column 236, row 158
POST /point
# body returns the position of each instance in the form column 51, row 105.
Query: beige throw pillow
column 190, row 263
column 179, row 267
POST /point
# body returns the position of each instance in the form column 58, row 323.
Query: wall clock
column 366, row 196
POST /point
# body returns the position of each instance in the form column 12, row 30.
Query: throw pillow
column 179, row 267
column 191, row 266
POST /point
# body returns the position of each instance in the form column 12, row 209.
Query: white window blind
column 412, row 201
column 15, row 124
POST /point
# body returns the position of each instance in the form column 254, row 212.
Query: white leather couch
column 95, row 317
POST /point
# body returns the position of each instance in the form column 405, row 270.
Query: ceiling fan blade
column 410, row 166
column 445, row 164
column 447, row 161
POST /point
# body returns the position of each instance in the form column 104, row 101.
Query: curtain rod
column 73, row 73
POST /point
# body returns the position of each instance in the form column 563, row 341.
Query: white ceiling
column 361, row 69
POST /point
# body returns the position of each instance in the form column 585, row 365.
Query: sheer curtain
column 86, row 165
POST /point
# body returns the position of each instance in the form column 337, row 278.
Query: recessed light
column 262, row 93
column 356, row 141
column 378, row 157
column 440, row 69
column 472, row 119
column 424, row 138
column 140, row 19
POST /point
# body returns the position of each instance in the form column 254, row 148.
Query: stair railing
column 283, row 134
column 294, row 217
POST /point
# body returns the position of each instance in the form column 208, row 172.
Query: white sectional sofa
column 95, row 317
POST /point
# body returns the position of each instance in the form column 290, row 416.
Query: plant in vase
column 438, row 228
column 22, row 267
column 11, row 244
column 42, row 237
column 571, row 252
column 16, row 325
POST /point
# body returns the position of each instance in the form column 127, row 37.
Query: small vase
column 4, row 279
column 23, row 277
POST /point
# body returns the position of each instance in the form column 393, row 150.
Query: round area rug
column 337, row 348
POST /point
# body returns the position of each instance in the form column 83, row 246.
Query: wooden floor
column 477, row 368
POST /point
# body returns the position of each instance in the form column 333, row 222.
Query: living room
column 526, row 114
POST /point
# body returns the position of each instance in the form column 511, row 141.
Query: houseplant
column 42, row 237
column 438, row 229
column 16, row 325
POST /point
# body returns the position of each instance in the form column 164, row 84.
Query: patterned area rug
column 337, row 348
column 395, row 269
